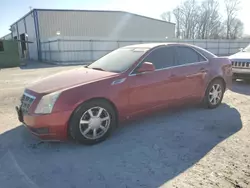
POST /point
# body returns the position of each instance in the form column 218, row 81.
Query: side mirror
column 146, row 67
column 241, row 49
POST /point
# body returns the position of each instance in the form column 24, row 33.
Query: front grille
column 241, row 64
column 26, row 102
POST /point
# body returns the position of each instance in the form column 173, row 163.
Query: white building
column 47, row 29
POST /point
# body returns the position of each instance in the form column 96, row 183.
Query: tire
column 91, row 129
column 208, row 96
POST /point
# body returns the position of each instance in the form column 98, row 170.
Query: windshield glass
column 118, row 60
column 247, row 49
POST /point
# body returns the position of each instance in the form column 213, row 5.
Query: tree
column 177, row 16
column 232, row 8
column 246, row 36
column 189, row 18
column 209, row 25
column 166, row 16
column 236, row 30
column 203, row 20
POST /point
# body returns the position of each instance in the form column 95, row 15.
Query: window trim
column 198, row 53
column 203, row 51
column 140, row 62
column 206, row 59
column 134, row 74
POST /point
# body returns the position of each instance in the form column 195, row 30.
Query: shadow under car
column 144, row 153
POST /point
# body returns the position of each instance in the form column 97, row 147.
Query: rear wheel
column 214, row 94
column 92, row 122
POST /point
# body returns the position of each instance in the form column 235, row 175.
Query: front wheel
column 92, row 122
column 214, row 94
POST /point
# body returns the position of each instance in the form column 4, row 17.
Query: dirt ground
column 193, row 147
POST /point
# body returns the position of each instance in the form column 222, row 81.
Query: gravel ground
column 192, row 147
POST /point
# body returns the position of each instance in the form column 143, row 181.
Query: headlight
column 46, row 104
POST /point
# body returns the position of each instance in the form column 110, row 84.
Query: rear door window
column 186, row 55
column 205, row 53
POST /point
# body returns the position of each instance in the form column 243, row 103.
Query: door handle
column 203, row 70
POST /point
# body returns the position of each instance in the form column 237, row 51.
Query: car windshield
column 247, row 49
column 118, row 60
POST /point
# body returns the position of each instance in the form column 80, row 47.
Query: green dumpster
column 9, row 55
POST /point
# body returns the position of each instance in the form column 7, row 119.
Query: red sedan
column 87, row 103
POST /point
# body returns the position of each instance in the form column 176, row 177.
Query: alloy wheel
column 94, row 123
column 215, row 94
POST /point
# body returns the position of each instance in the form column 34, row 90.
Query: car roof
column 150, row 46
column 153, row 45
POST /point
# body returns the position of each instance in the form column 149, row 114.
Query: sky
column 12, row 10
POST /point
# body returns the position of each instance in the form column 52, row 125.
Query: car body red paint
column 130, row 94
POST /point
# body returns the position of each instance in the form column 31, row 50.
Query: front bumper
column 47, row 127
column 241, row 73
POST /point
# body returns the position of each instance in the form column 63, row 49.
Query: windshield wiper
column 96, row 68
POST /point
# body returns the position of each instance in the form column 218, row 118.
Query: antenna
column 32, row 15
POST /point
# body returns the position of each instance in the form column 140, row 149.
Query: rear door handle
column 203, row 70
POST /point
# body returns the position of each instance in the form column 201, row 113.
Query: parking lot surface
column 191, row 147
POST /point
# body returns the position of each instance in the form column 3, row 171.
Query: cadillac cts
column 87, row 103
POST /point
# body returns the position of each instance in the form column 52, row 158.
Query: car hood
column 240, row 55
column 69, row 78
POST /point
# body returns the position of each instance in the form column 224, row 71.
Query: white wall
column 70, row 50
column 19, row 28
column 219, row 47
column 14, row 31
column 32, row 47
column 118, row 25
column 102, row 24
column 50, row 51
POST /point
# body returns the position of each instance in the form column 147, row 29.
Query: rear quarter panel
column 221, row 67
